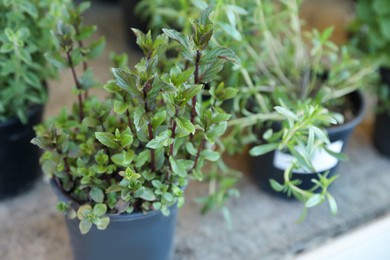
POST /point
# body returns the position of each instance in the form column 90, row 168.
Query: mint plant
column 24, row 38
column 136, row 151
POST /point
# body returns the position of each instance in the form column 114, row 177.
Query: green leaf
column 99, row 209
column 85, row 226
column 162, row 140
column 189, row 93
column 286, row 113
column 276, row 185
column 179, row 37
column 198, row 175
column 262, row 149
column 96, row 48
column 314, row 200
column 83, row 211
column 220, row 53
column 332, row 204
column 210, row 155
column 103, row 223
column 185, row 124
column 191, row 149
column 221, row 117
column 148, row 195
column 127, row 82
column 177, row 167
column 216, row 131
column 205, row 14
column 120, row 107
column 141, row 119
column 96, row 195
column 107, row 139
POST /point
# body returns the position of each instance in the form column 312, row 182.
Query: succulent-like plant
column 24, row 38
column 136, row 151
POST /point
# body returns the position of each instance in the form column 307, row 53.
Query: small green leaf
column 286, row 113
column 148, row 195
column 185, row 124
column 103, row 223
column 178, row 167
column 96, row 195
column 85, row 226
column 314, row 200
column 276, row 185
column 210, row 155
column 99, row 209
column 262, row 149
column 107, row 139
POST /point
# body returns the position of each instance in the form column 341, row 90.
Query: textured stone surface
column 264, row 226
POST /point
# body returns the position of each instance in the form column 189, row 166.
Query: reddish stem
column 78, row 86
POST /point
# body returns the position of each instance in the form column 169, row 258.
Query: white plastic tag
column 322, row 161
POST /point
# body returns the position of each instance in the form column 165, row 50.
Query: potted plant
column 295, row 86
column 291, row 86
column 24, row 38
column 371, row 37
column 122, row 164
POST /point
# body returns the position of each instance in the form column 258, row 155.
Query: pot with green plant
column 297, row 101
column 24, row 38
column 290, row 88
column 120, row 166
column 371, row 37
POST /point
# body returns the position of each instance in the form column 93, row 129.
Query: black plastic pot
column 270, row 165
column 381, row 132
column 19, row 159
column 135, row 236
column 131, row 20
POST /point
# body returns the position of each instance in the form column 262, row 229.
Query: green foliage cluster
column 136, row 151
column 372, row 29
column 294, row 77
column 25, row 36
column 371, row 38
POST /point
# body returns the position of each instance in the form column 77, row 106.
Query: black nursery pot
column 19, row 159
column 135, row 236
column 273, row 164
column 381, row 133
column 131, row 20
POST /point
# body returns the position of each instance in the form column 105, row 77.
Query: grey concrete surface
column 264, row 227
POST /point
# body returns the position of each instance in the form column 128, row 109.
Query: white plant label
column 322, row 161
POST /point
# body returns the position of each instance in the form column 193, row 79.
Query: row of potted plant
column 122, row 164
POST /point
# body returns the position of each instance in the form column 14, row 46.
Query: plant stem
column 173, row 137
column 200, row 149
column 150, row 128
column 196, row 81
column 85, row 64
column 78, row 85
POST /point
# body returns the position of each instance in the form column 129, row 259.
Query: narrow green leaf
column 262, row 149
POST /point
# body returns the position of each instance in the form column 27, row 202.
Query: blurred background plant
column 24, row 38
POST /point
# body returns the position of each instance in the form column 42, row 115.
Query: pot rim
column 62, row 196
column 361, row 108
column 15, row 120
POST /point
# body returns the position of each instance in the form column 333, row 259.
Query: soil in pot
column 135, row 236
column 381, row 136
column 273, row 164
column 19, row 159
